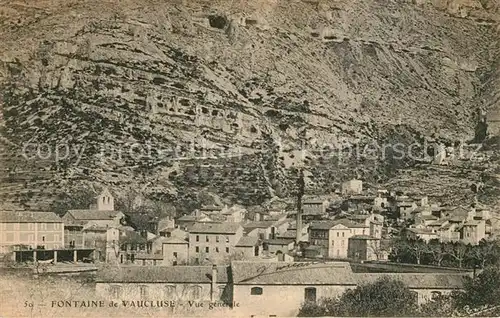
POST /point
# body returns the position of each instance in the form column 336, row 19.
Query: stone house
column 253, row 288
column 260, row 229
column 249, row 247
column 473, row 231
column 174, row 232
column 405, row 208
column 213, row 241
column 314, row 206
column 333, row 236
column 148, row 259
column 353, row 186
column 175, row 251
column 153, row 283
column 131, row 243
column 424, row 234
column 279, row 289
column 279, row 246
column 30, row 229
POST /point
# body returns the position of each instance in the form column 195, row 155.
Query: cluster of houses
column 237, row 254
column 351, row 224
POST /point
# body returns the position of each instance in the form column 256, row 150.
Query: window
column 43, row 238
column 56, row 226
column 207, row 239
column 217, row 239
column 207, row 249
column 169, row 290
column 310, row 294
column 197, row 238
column 116, row 292
column 256, row 291
column 343, row 234
column 197, row 248
column 333, row 243
column 227, row 239
column 338, row 234
column 217, row 250
column 227, row 249
column 143, row 291
column 196, row 292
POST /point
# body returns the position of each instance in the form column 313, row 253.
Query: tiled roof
column 328, row 224
column 161, row 274
column 350, row 223
column 224, row 228
column 315, row 201
column 417, row 280
column 279, row 241
column 258, row 225
column 322, row 225
column 363, row 237
column 429, row 217
column 169, row 240
column 92, row 214
column 247, row 241
column 421, row 231
column 358, row 216
column 29, row 217
column 296, row 273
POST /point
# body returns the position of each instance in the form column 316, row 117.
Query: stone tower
column 105, row 201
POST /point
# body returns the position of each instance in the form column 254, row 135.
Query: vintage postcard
column 257, row 158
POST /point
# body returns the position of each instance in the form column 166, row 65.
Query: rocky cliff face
column 133, row 90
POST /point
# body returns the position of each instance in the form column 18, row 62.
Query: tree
column 438, row 251
column 418, row 248
column 384, row 297
column 457, row 251
column 484, row 289
column 486, row 252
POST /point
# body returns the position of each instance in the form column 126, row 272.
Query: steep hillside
column 133, row 90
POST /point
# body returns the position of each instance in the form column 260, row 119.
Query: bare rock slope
column 127, row 86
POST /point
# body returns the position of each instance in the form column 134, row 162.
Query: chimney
column 214, row 283
column 300, row 194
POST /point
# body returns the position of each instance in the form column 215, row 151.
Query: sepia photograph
column 249, row 158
